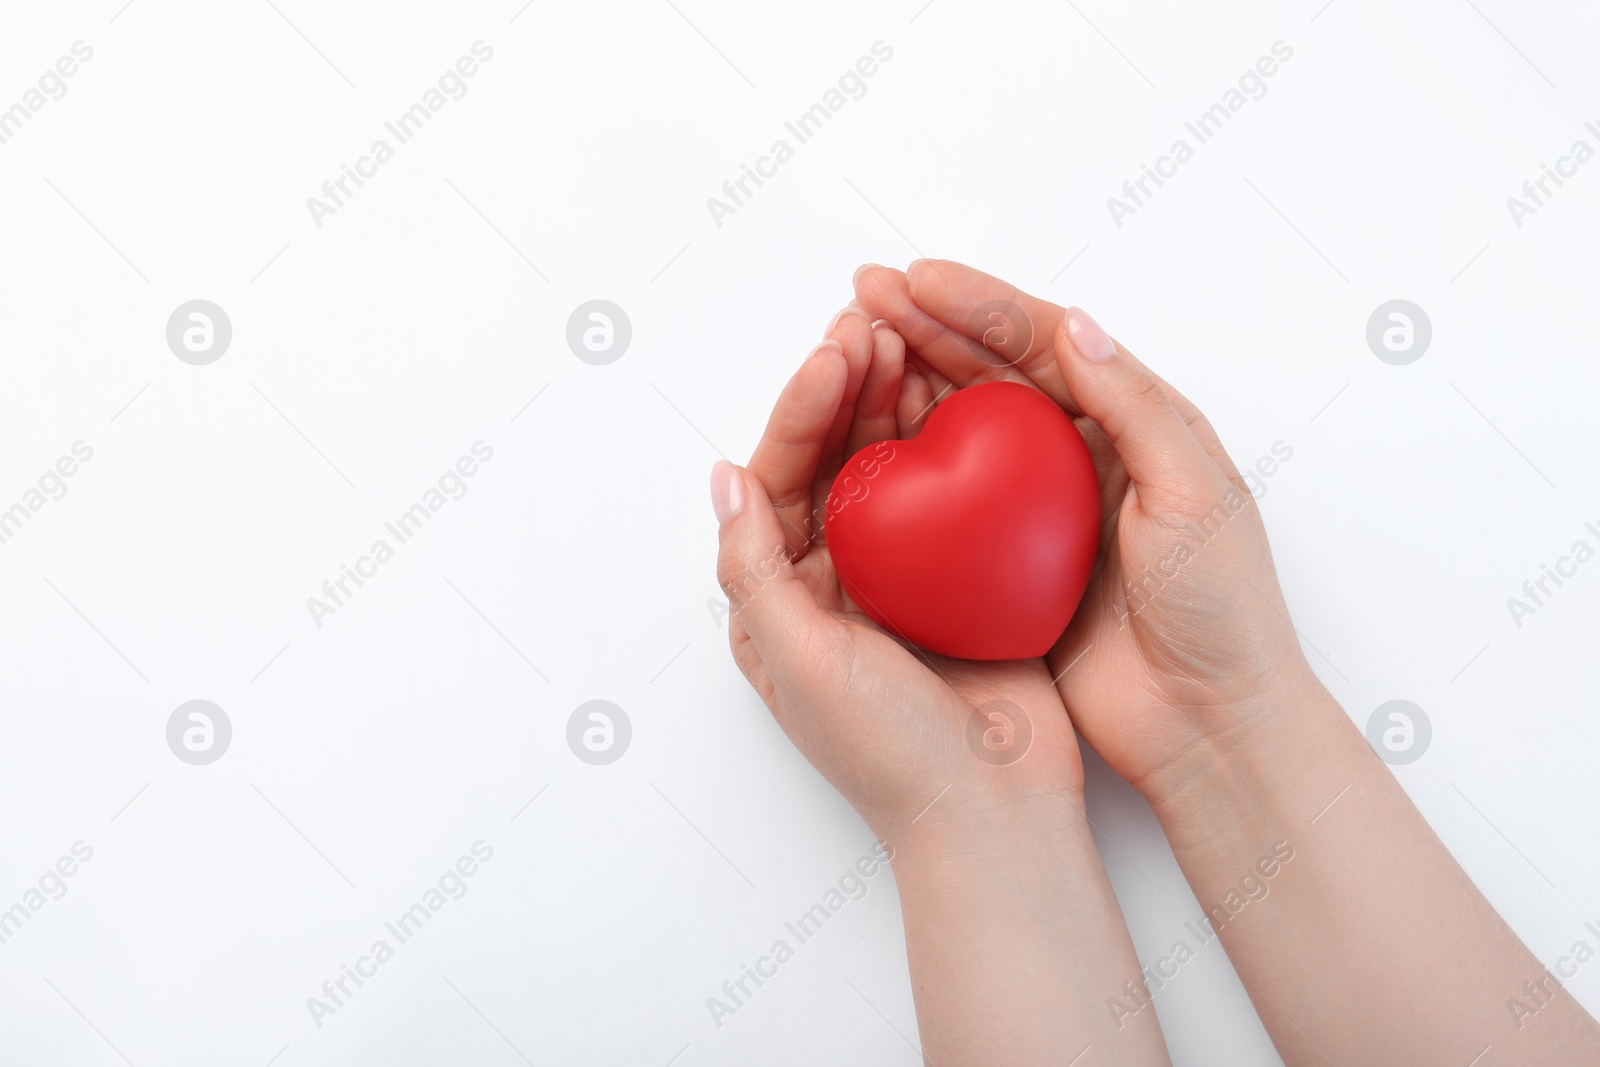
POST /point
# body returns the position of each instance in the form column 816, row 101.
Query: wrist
column 1273, row 772
column 976, row 801
column 959, row 838
column 1013, row 935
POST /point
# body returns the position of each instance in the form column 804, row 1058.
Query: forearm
column 1359, row 937
column 1016, row 943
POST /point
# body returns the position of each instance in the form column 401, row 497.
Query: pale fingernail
column 1088, row 338
column 860, row 270
column 882, row 322
column 727, row 491
column 847, row 310
column 829, row 345
column 912, row 269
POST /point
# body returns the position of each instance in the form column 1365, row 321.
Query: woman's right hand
column 1182, row 645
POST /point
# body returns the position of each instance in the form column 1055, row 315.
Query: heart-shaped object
column 976, row 538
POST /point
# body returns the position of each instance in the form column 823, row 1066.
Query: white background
column 368, row 354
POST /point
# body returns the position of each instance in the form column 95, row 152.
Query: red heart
column 976, row 538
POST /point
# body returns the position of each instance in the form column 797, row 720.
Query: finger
column 1203, row 431
column 875, row 407
column 786, row 458
column 941, row 387
column 884, row 293
column 790, row 632
column 1011, row 330
column 1166, row 463
column 914, row 404
column 749, row 662
column 853, row 331
column 1021, row 329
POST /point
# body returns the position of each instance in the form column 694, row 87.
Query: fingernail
column 847, row 310
column 727, row 491
column 912, row 269
column 1088, row 338
column 882, row 322
column 830, row 345
column 860, row 270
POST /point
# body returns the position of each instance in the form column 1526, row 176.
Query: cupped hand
column 1182, row 644
column 906, row 736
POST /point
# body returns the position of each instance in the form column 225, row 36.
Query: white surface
column 406, row 328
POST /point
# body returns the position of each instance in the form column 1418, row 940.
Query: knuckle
column 1146, row 391
column 1208, row 508
column 875, row 288
column 741, row 577
column 797, row 496
column 729, row 576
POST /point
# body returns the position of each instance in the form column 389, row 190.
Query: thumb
column 754, row 569
column 1164, row 459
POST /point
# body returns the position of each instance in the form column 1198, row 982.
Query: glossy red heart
column 976, row 538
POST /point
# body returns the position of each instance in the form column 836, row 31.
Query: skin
column 1370, row 945
column 1013, row 934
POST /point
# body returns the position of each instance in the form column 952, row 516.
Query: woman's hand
column 1182, row 643
column 1342, row 911
column 892, row 727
